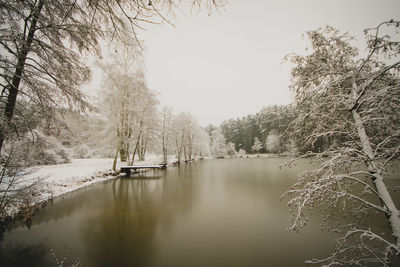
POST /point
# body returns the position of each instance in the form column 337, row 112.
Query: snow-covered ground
column 49, row 181
column 55, row 180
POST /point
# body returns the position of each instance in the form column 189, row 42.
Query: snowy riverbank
column 49, row 181
column 55, row 180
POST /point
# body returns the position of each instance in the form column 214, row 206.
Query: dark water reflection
column 209, row 213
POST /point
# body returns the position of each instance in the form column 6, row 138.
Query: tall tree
column 166, row 131
column 351, row 104
column 201, row 143
column 230, row 149
column 257, row 146
column 218, row 143
column 123, row 92
column 188, row 137
column 179, row 135
column 147, row 122
column 272, row 143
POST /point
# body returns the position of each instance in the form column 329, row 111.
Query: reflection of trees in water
column 122, row 232
column 22, row 255
column 116, row 225
column 65, row 206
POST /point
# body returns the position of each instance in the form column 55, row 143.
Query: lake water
column 208, row 213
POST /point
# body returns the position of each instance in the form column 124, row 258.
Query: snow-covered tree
column 86, row 134
column 127, row 102
column 179, row 135
column 202, row 143
column 257, row 146
column 242, row 152
column 272, row 144
column 124, row 94
column 189, row 137
column 218, row 145
column 231, row 149
column 190, row 126
column 271, row 119
column 146, row 124
column 166, row 131
column 352, row 104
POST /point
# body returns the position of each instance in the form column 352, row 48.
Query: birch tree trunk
column 179, row 147
column 164, row 138
column 378, row 180
column 144, row 145
column 137, row 144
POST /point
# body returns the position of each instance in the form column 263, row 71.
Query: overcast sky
column 229, row 65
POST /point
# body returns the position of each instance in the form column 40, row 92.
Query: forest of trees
column 268, row 126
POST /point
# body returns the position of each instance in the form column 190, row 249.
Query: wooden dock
column 136, row 169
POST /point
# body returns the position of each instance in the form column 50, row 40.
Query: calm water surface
column 208, row 213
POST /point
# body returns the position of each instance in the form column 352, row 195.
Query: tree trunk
column 190, row 147
column 141, row 148
column 127, row 156
column 144, row 146
column 164, row 141
column 123, row 141
column 16, row 79
column 137, row 144
column 179, row 156
column 164, row 150
column 184, row 149
column 134, row 151
column 165, row 156
column 394, row 213
column 115, row 160
column 122, row 153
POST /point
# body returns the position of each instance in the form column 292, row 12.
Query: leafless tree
column 166, row 131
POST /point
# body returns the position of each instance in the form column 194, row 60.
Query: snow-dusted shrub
column 55, row 152
column 51, row 156
column 38, row 149
column 101, row 153
column 230, row 149
column 47, row 157
column 241, row 152
column 272, row 143
column 81, row 151
column 65, row 154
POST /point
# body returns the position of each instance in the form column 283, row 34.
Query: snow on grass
column 68, row 173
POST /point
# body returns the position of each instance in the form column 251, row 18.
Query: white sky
column 229, row 65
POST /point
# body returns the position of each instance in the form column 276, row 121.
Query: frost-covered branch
column 363, row 243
